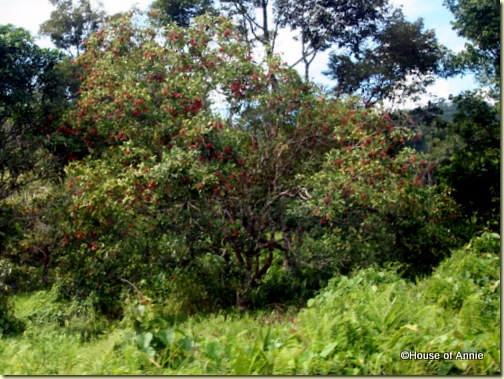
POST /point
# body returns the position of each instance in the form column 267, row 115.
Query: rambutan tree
column 171, row 180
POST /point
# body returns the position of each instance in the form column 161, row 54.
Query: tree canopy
column 400, row 59
column 479, row 21
column 71, row 23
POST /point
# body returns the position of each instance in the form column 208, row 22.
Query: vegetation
column 358, row 324
column 292, row 230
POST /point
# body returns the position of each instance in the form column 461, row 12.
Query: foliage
column 27, row 99
column 479, row 22
column 190, row 157
column 358, row 324
column 399, row 60
column 9, row 324
column 170, row 185
column 467, row 153
column 33, row 96
column 180, row 12
column 373, row 198
column 323, row 24
column 70, row 25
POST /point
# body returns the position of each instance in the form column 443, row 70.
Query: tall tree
column 325, row 23
column 179, row 11
column 257, row 20
column 479, row 22
column 31, row 92
column 473, row 170
column 71, row 23
column 397, row 61
column 33, row 96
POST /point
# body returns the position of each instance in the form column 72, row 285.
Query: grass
column 358, row 324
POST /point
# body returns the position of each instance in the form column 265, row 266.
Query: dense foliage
column 170, row 184
column 168, row 177
column 358, row 324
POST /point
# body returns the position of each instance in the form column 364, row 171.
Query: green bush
column 8, row 323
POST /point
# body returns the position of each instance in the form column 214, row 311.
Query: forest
column 177, row 199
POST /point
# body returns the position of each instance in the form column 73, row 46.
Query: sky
column 29, row 14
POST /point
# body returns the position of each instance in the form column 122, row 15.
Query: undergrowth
column 359, row 324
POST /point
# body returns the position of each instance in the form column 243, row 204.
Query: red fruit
column 197, row 105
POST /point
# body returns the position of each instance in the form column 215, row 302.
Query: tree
column 171, row 184
column 399, row 60
column 32, row 96
column 179, row 11
column 323, row 24
column 479, row 22
column 71, row 24
column 473, row 170
column 255, row 22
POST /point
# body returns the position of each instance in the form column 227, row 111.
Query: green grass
column 358, row 324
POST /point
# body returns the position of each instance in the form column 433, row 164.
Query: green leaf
column 143, row 340
column 328, row 349
column 167, row 336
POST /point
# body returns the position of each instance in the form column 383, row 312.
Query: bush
column 8, row 323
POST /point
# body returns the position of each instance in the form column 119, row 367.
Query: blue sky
column 29, row 14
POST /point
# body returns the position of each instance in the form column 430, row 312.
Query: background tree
column 479, row 22
column 257, row 20
column 398, row 60
column 32, row 97
column 71, row 23
column 472, row 167
column 322, row 24
column 179, row 11
column 473, row 171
